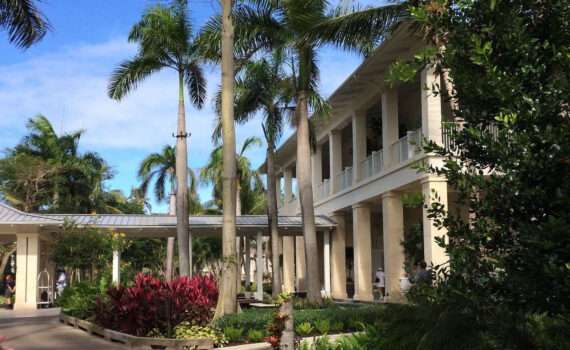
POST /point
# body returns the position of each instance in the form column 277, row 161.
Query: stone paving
column 34, row 333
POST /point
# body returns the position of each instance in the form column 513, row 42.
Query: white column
column 191, row 267
column 393, row 228
column 289, row 264
column 327, row 262
column 238, row 262
column 247, row 262
column 317, row 167
column 338, row 258
column 288, row 185
column 335, row 158
column 300, row 268
column 434, row 190
column 259, row 266
column 27, row 266
column 389, row 124
column 116, row 273
column 359, row 141
column 362, row 245
column 431, row 105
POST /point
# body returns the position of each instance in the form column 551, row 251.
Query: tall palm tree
column 165, row 39
column 161, row 168
column 23, row 21
column 297, row 25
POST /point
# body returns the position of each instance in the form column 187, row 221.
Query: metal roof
column 13, row 216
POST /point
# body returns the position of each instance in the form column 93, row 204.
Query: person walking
column 9, row 290
column 380, row 282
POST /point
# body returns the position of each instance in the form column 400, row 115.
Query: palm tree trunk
column 306, row 199
column 182, row 220
column 272, row 217
column 170, row 240
column 227, row 303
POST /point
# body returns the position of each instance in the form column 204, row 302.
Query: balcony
column 406, row 147
column 323, row 190
column 372, row 165
column 344, row 178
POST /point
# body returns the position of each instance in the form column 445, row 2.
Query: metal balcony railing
column 372, row 165
column 450, row 130
column 407, row 147
column 323, row 190
column 344, row 178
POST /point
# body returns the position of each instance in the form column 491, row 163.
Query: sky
column 65, row 77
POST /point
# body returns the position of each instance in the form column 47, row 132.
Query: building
column 362, row 169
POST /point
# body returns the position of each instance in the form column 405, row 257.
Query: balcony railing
column 407, row 147
column 450, row 130
column 323, row 190
column 344, row 178
column 372, row 165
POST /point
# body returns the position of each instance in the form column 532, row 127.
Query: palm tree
column 23, row 21
column 161, row 168
column 165, row 39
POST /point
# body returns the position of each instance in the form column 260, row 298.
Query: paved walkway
column 35, row 333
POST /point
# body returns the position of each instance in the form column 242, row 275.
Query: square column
column 247, row 262
column 239, row 258
column 335, row 158
column 434, row 190
column 288, row 184
column 359, row 143
column 27, row 264
column 394, row 258
column 317, row 167
column 327, row 262
column 389, row 124
column 338, row 257
column 116, row 273
column 362, row 244
column 431, row 105
column 259, row 266
column 300, row 268
column 288, row 264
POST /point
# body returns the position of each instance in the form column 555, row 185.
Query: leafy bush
column 304, row 329
column 323, row 326
column 187, row 331
column 79, row 300
column 324, row 343
column 255, row 336
column 233, row 335
column 153, row 304
column 337, row 327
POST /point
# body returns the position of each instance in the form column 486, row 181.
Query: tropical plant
column 255, row 335
column 185, row 330
column 23, row 21
column 233, row 335
column 161, row 168
column 79, row 299
column 164, row 36
column 323, row 326
column 304, row 329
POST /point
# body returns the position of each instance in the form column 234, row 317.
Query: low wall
column 133, row 342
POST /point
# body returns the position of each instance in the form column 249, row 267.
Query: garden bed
column 134, row 342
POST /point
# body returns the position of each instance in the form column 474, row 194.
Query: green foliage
column 187, row 331
column 337, row 326
column 323, row 326
column 79, row 299
column 304, row 329
column 324, row 343
column 233, row 334
column 255, row 336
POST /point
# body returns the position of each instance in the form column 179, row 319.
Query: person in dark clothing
column 423, row 276
column 9, row 289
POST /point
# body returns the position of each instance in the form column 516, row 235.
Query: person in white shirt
column 380, row 281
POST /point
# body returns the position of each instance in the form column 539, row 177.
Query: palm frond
column 130, row 74
column 196, row 84
column 24, row 22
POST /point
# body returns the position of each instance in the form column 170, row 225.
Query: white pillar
column 434, row 190
column 338, row 258
column 116, row 273
column 247, row 262
column 190, row 253
column 289, row 264
column 288, row 185
column 327, row 262
column 300, row 268
column 393, row 228
column 27, row 266
column 431, row 105
column 389, row 125
column 335, row 159
column 359, row 143
column 238, row 263
column 362, row 245
column 259, row 266
column 317, row 168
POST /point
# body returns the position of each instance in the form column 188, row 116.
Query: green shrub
column 323, row 326
column 233, row 334
column 255, row 336
column 304, row 329
column 186, row 331
column 337, row 327
column 79, row 300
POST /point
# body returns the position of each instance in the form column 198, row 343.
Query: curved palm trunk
column 272, row 217
column 182, row 220
column 170, row 240
column 227, row 303
column 306, row 199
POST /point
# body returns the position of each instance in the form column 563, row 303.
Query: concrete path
column 34, row 333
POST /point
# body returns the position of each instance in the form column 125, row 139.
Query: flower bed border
column 134, row 342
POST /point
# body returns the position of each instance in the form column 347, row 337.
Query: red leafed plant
column 154, row 305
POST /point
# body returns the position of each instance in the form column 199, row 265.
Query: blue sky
column 65, row 76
